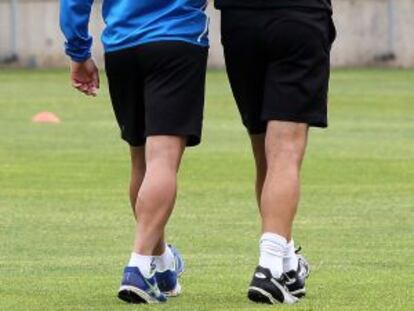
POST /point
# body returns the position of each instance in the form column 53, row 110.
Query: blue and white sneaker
column 135, row 288
column 168, row 281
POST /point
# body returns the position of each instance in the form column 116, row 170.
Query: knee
column 161, row 177
column 285, row 154
column 163, row 166
column 285, row 143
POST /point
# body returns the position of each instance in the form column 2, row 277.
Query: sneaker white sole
column 261, row 296
column 132, row 294
column 175, row 292
column 299, row 293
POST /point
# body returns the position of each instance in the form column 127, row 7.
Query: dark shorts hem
column 192, row 139
column 256, row 130
column 312, row 122
column 134, row 142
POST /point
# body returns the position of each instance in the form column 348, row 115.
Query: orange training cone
column 46, row 117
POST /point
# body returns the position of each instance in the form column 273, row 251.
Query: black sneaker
column 295, row 280
column 264, row 288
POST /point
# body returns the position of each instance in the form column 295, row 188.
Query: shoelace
column 297, row 251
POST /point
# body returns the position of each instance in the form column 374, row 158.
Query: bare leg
column 157, row 194
column 258, row 147
column 285, row 146
column 138, row 169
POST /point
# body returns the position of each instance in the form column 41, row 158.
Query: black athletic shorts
column 278, row 63
column 158, row 89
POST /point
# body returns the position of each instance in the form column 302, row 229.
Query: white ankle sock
column 145, row 264
column 272, row 251
column 290, row 261
column 166, row 261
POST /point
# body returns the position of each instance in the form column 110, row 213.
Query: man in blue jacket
column 155, row 57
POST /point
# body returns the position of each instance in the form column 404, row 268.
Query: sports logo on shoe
column 153, row 289
column 153, row 266
column 260, row 275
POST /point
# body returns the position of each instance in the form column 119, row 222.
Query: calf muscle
column 285, row 146
column 156, row 197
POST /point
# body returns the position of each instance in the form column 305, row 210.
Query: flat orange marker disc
column 46, row 117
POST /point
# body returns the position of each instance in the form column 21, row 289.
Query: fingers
column 94, row 85
column 85, row 77
column 87, row 88
column 80, row 86
column 76, row 85
column 92, row 91
column 96, row 79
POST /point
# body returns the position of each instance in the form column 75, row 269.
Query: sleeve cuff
column 80, row 59
column 79, row 51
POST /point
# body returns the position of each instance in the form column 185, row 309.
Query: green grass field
column 66, row 229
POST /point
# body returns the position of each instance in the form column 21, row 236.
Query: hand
column 85, row 77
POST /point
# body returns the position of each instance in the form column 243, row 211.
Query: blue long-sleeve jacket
column 133, row 22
